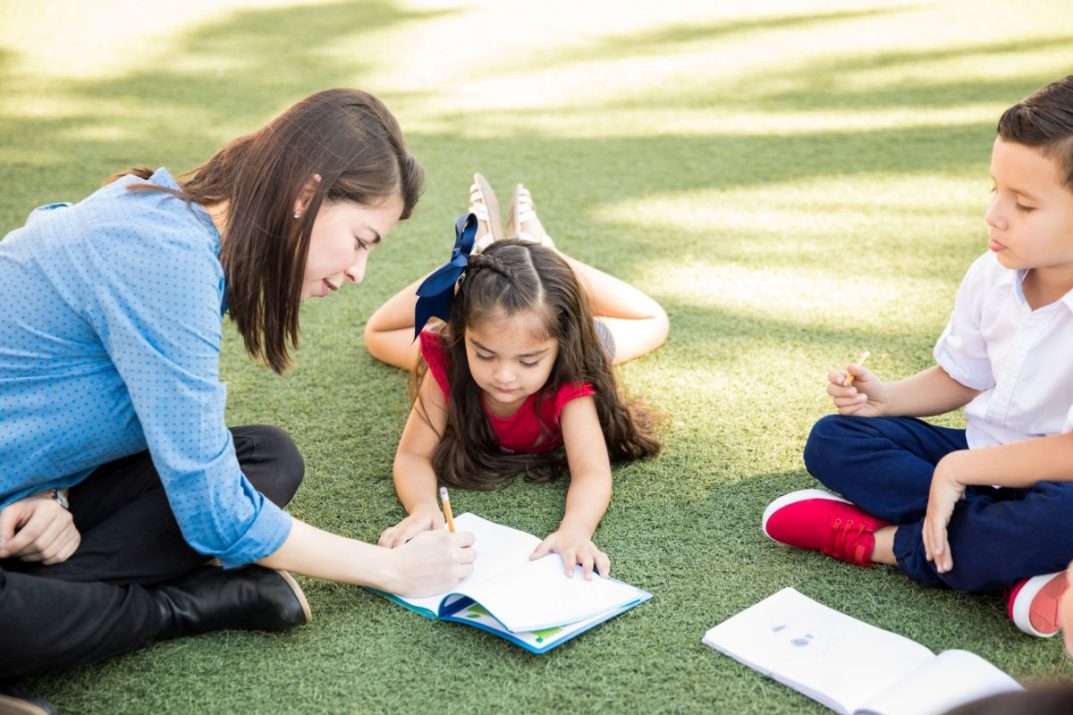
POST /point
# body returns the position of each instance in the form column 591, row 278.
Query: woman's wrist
column 57, row 495
column 384, row 572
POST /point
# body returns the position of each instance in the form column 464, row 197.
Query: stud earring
column 297, row 214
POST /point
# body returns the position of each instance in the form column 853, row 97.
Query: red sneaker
column 1033, row 604
column 818, row 520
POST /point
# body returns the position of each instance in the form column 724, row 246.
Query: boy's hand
column 37, row 528
column 423, row 518
column 865, row 396
column 946, row 492
column 575, row 548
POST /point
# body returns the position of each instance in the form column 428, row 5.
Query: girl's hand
column 37, row 528
column 422, row 518
column 865, row 396
column 946, row 491
column 575, row 548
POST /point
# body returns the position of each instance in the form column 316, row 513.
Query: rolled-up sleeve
column 961, row 349
column 157, row 311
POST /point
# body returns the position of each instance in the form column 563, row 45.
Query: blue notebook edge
column 405, row 604
column 508, row 636
column 464, row 602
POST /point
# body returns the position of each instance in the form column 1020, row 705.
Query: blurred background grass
column 793, row 181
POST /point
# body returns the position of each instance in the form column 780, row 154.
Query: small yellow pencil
column 447, row 509
column 860, row 362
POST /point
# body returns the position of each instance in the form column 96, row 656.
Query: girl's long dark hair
column 509, row 278
column 348, row 138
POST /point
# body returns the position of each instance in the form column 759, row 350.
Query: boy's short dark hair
column 1044, row 120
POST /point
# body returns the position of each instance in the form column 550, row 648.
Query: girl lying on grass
column 520, row 369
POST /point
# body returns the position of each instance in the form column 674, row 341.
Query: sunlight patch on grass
column 806, row 296
column 987, row 62
column 833, row 204
column 653, row 121
column 567, row 54
column 112, row 132
column 82, row 40
column 705, row 73
column 40, row 104
column 834, row 226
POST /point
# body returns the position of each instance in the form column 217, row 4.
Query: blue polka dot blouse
column 110, row 331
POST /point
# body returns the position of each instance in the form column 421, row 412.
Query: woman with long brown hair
column 120, row 480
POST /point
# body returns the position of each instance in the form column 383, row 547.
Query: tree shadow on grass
column 667, row 39
column 818, row 87
column 574, row 180
column 228, row 78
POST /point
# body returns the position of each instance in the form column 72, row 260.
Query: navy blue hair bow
column 435, row 293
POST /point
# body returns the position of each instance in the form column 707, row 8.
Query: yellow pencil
column 447, row 509
column 860, row 362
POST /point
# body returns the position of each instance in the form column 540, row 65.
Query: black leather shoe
column 252, row 598
column 15, row 701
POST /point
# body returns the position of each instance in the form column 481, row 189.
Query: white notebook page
column 527, row 595
column 821, row 652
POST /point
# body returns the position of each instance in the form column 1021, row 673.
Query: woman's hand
column 422, row 518
column 432, row 562
column 37, row 528
column 946, row 491
column 865, row 396
column 576, row 548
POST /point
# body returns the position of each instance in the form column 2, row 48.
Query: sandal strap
column 482, row 243
column 524, row 211
column 479, row 208
column 480, row 193
column 480, row 211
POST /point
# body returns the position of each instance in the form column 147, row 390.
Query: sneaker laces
column 852, row 540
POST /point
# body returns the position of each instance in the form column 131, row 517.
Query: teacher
column 120, row 482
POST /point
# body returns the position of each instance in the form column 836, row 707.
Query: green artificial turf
column 793, row 181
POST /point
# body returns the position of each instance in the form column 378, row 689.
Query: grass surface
column 793, row 181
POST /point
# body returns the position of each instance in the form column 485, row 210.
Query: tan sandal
column 483, row 204
column 522, row 212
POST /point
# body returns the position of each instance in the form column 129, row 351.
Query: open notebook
column 530, row 603
column 848, row 665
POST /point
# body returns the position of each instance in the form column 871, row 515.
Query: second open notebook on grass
column 851, row 666
column 531, row 603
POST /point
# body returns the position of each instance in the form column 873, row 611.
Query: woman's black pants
column 96, row 604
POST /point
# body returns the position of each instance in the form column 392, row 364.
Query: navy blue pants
column 996, row 536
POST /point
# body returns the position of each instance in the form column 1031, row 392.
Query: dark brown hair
column 509, row 278
column 1044, row 120
column 348, row 138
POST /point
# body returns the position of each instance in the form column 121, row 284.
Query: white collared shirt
column 1021, row 359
